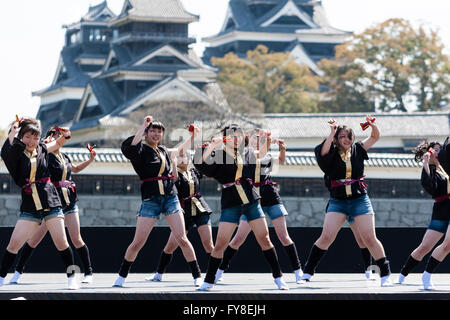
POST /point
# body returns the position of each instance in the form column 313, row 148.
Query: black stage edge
column 107, row 246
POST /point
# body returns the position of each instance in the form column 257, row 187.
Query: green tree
column 390, row 64
column 274, row 79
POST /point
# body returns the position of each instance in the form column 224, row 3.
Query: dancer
column 196, row 213
column 233, row 167
column 437, row 183
column 271, row 204
column 157, row 169
column 342, row 161
column 61, row 169
column 27, row 160
column 434, row 183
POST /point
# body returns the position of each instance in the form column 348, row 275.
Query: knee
column 136, row 246
column 423, row 249
column 446, row 246
column 326, row 238
column 208, row 245
column 237, row 241
column 182, row 240
column 170, row 248
column 285, row 239
column 78, row 242
column 220, row 246
column 265, row 242
column 370, row 240
column 13, row 246
column 61, row 245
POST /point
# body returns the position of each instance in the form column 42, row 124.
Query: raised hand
column 147, row 121
column 92, row 154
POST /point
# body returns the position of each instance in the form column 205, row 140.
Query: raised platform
column 236, row 287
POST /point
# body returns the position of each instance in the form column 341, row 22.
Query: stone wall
column 303, row 212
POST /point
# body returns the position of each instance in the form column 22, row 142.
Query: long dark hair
column 423, row 148
column 336, row 135
column 29, row 125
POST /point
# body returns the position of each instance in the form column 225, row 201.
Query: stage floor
column 235, row 286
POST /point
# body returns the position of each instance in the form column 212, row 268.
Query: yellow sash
column 258, row 172
column 195, row 203
column 65, row 192
column 161, row 169
column 34, row 192
column 346, row 157
column 240, row 165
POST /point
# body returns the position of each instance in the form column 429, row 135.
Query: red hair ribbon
column 365, row 125
column 90, row 148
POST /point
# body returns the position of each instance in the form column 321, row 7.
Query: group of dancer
column 242, row 164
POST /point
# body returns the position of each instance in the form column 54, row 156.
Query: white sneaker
column 281, row 284
column 386, row 281
column 2, row 280
column 219, row 275
column 205, row 286
column 401, row 278
column 89, row 278
column 72, row 283
column 426, row 280
column 156, row 277
column 370, row 275
column 197, row 282
column 15, row 278
column 298, row 276
column 306, row 277
column 119, row 282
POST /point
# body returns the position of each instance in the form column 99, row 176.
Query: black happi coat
column 222, row 166
column 444, row 156
column 56, row 166
column 147, row 164
column 269, row 193
column 335, row 169
column 20, row 164
column 184, row 191
column 436, row 184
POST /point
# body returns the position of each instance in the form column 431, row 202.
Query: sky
column 32, row 35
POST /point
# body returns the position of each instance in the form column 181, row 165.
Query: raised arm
column 374, row 136
column 13, row 132
column 327, row 144
column 188, row 142
column 83, row 165
column 215, row 142
column 58, row 143
column 141, row 130
column 282, row 155
column 426, row 162
column 174, row 163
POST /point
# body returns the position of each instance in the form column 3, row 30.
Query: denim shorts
column 273, row 212
column 439, row 225
column 71, row 208
column 198, row 221
column 251, row 211
column 160, row 204
column 38, row 216
column 351, row 208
